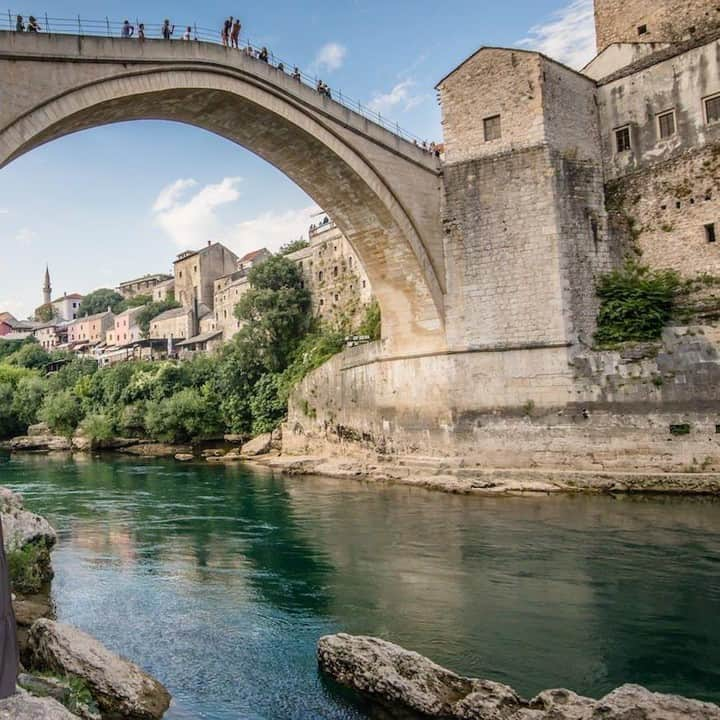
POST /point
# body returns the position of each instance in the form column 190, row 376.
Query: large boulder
column 39, row 430
column 120, row 688
column 26, row 707
column 40, row 443
column 22, row 528
column 406, row 681
column 396, row 676
column 258, row 446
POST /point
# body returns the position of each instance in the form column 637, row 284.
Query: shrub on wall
column 635, row 303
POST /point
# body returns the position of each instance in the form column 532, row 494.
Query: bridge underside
column 386, row 205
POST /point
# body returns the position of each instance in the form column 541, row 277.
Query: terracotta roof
column 6, row 317
column 254, row 254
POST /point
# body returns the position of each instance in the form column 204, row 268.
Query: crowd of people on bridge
column 230, row 38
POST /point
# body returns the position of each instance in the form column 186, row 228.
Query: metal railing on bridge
column 153, row 31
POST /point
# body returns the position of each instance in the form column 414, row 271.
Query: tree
column 30, row 355
column 275, row 312
column 45, row 313
column 99, row 301
column 62, row 412
column 28, row 399
column 294, row 246
column 135, row 301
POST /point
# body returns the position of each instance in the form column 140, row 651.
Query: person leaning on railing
column 19, row 26
column 33, row 25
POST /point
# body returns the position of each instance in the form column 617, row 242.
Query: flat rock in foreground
column 120, row 688
column 406, row 680
column 26, row 707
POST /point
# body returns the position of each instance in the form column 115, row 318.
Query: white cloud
column 271, row 230
column 400, row 97
column 190, row 216
column 192, row 220
column 169, row 195
column 25, row 236
column 330, row 57
column 567, row 36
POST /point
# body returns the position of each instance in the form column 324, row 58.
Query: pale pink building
column 91, row 329
column 125, row 330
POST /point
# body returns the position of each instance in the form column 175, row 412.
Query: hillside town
column 200, row 294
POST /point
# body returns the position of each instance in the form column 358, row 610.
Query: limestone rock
column 9, row 500
column 258, row 446
column 81, row 442
column 60, row 690
column 396, row 676
column 21, row 528
column 40, row 443
column 633, row 701
column 406, row 681
column 276, row 439
column 120, row 688
column 184, row 457
column 154, row 449
column 26, row 707
column 235, row 439
column 39, row 430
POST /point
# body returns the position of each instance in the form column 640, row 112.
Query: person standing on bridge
column 296, row 74
column 226, row 30
column 235, row 34
column 141, row 32
column 19, row 26
column 167, row 30
column 33, row 25
column 127, row 30
column 187, row 35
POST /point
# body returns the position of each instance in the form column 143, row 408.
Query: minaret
column 47, row 290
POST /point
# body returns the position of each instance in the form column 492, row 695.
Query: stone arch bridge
column 383, row 191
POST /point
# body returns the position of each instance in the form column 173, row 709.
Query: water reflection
column 220, row 581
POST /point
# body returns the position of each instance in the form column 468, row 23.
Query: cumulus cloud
column 25, row 236
column 330, row 57
column 271, row 230
column 191, row 218
column 190, row 215
column 401, row 97
column 567, row 36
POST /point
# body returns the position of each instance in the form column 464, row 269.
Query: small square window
column 712, row 109
column 493, row 130
column 642, row 29
column 710, row 234
column 666, row 124
column 622, row 139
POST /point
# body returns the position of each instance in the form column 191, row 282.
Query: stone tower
column 47, row 289
column 652, row 21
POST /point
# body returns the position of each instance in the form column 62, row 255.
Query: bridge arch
column 377, row 195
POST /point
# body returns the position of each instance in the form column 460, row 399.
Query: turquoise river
column 220, row 580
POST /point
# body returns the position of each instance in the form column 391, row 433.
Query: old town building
column 125, row 329
column 334, row 275
column 67, row 307
column 143, row 285
column 196, row 273
column 92, row 329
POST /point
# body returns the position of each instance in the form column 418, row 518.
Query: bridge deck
column 159, row 53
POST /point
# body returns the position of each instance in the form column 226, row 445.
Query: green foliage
column 62, row 412
column 635, row 303
column 151, row 310
column 79, row 699
column 190, row 414
column 25, row 567
column 97, row 427
column 30, row 355
column 8, row 347
column 136, row 301
column 28, row 399
column 294, row 246
column 267, row 406
column 372, row 322
column 99, row 301
column 45, row 313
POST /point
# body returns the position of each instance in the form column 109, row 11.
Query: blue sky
column 113, row 203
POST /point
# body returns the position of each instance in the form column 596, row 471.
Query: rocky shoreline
column 65, row 673
column 443, row 474
column 407, row 684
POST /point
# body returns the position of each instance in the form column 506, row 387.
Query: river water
column 219, row 580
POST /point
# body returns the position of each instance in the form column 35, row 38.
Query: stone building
column 125, row 329
column 179, row 323
column 162, row 291
column 92, row 329
column 333, row 273
column 67, row 307
column 197, row 271
column 228, row 291
column 52, row 335
column 552, row 176
column 144, row 285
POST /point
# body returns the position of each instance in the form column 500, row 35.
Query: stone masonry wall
column 663, row 211
column 492, row 82
column 666, row 20
column 502, row 251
